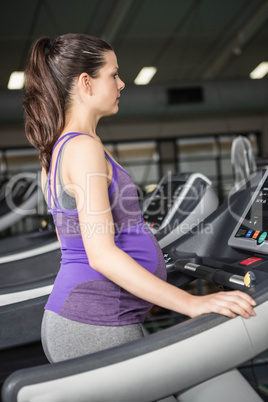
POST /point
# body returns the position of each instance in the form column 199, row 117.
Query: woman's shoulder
column 84, row 152
column 84, row 143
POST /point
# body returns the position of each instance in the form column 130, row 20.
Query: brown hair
column 49, row 77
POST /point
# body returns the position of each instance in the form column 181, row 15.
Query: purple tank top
column 82, row 294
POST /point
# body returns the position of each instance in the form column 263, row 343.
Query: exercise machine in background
column 178, row 204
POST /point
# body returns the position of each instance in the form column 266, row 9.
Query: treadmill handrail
column 17, row 297
column 30, row 253
column 134, row 362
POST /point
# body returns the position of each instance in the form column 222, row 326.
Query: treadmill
column 178, row 204
column 30, row 261
column 196, row 360
column 26, row 277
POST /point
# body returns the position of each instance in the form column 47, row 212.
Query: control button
column 250, row 260
column 249, row 279
column 249, row 233
column 262, row 237
column 256, row 234
column 241, row 232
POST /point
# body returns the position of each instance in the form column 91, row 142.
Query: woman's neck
column 79, row 120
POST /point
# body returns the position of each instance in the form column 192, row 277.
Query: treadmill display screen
column 255, row 223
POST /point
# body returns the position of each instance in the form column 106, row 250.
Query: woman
column 112, row 269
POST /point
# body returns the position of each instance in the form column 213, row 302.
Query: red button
column 250, row 260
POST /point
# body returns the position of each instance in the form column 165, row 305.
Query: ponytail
column 43, row 105
column 52, row 67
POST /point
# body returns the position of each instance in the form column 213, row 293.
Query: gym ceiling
column 189, row 41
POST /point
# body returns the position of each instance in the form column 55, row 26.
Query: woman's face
column 107, row 86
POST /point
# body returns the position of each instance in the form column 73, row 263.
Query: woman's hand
column 230, row 304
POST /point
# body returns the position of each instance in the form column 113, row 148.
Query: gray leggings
column 64, row 339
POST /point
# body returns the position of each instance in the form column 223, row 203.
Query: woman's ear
column 85, row 83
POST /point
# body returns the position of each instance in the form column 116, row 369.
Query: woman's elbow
column 96, row 264
column 99, row 260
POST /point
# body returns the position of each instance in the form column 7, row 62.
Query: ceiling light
column 145, row 75
column 16, row 80
column 260, row 71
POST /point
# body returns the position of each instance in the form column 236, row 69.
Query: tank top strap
column 53, row 194
column 115, row 167
column 114, row 178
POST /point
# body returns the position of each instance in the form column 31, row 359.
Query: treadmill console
column 162, row 200
column 175, row 198
column 251, row 232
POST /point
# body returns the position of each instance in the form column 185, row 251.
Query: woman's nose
column 121, row 84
